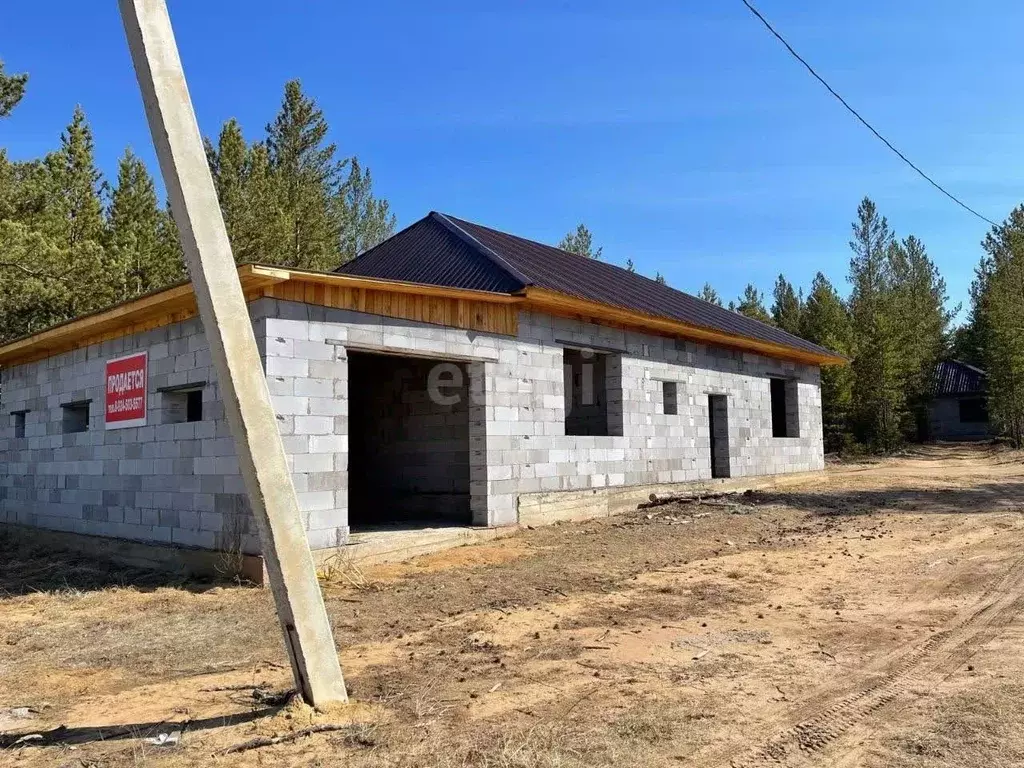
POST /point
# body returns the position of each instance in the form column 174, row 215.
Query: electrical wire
column 856, row 114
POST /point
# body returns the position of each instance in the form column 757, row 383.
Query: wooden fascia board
column 258, row 275
column 396, row 286
column 60, row 338
column 559, row 303
column 174, row 299
column 254, row 276
column 57, row 337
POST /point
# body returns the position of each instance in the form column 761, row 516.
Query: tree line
column 895, row 326
column 72, row 242
column 993, row 336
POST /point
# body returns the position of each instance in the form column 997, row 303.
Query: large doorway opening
column 408, row 462
column 718, row 414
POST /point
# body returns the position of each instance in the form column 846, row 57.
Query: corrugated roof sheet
column 953, row 377
column 430, row 253
column 445, row 250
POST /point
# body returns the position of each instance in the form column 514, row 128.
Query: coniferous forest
column 895, row 325
column 73, row 242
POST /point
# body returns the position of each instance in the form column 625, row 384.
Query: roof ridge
column 489, row 253
column 712, row 307
column 974, row 368
column 589, row 259
column 542, row 244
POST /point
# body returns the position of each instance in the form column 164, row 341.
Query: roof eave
column 177, row 302
column 547, row 300
column 180, row 300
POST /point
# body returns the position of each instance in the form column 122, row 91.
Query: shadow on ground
column 64, row 736
column 980, row 499
column 27, row 568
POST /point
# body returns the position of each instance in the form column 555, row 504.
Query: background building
column 959, row 408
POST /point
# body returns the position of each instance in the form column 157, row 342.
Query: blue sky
column 680, row 132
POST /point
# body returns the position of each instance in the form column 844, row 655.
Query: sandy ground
column 871, row 617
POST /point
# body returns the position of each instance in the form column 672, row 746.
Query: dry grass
column 339, row 569
column 569, row 646
column 973, row 729
column 648, row 724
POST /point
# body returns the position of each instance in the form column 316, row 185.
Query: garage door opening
column 408, row 442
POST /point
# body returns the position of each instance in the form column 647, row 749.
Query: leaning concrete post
column 300, row 606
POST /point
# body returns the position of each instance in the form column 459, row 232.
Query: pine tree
column 138, row 257
column 826, row 322
column 228, row 165
column 170, row 245
column 787, row 306
column 72, row 220
column 306, row 178
column 51, row 233
column 76, row 208
column 971, row 340
column 288, row 200
column 366, row 220
column 879, row 404
column 751, row 304
column 12, row 89
column 580, row 242
column 921, row 325
column 1002, row 304
column 35, row 290
column 267, row 223
column 1006, row 354
column 253, row 208
column 24, row 191
column 7, row 186
column 708, row 293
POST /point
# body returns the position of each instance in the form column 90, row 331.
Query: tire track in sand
column 820, row 728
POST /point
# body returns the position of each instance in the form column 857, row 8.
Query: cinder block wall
column 944, row 422
column 517, row 403
column 179, row 483
column 654, row 447
column 161, row 483
column 308, row 379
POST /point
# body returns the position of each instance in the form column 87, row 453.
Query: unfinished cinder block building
column 453, row 375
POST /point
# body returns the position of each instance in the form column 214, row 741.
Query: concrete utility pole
column 243, row 386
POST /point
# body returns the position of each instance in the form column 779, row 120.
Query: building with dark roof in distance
column 453, row 374
column 959, row 406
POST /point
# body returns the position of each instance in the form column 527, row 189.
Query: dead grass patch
column 974, row 729
column 667, row 603
column 650, row 724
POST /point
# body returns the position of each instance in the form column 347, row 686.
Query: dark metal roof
column 431, row 253
column 444, row 250
column 955, row 378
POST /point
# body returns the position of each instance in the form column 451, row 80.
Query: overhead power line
column 857, row 114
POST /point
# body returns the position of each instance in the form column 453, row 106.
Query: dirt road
column 872, row 617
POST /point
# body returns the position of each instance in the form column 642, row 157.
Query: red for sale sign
column 126, row 391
